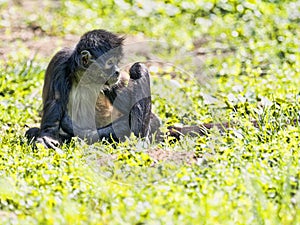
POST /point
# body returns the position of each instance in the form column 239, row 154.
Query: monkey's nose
column 117, row 73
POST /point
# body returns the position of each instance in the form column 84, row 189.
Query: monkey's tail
column 200, row 130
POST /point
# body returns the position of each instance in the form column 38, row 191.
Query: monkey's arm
column 139, row 116
column 134, row 101
column 55, row 98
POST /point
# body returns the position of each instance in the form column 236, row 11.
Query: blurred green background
column 210, row 61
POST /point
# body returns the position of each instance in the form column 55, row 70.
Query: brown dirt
column 16, row 34
column 159, row 156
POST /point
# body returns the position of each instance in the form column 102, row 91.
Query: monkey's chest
column 90, row 109
column 105, row 113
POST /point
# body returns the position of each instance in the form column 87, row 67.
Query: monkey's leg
column 139, row 116
column 134, row 101
column 115, row 131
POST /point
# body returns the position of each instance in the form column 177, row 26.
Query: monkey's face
column 111, row 69
column 102, row 70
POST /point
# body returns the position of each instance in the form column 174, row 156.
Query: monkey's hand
column 175, row 132
column 137, row 89
column 139, row 83
column 32, row 134
column 137, row 71
column 48, row 142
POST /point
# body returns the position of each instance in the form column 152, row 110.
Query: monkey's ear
column 85, row 57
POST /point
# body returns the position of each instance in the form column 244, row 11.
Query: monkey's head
column 97, row 56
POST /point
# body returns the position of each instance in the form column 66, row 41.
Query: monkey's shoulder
column 59, row 62
column 62, row 56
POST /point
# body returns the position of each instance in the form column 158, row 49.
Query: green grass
column 249, row 70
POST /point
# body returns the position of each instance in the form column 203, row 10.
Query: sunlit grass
column 249, row 70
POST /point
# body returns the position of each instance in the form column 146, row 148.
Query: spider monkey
column 85, row 95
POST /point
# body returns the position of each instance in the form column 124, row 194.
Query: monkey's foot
column 48, row 142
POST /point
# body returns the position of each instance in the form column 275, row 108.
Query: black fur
column 133, row 101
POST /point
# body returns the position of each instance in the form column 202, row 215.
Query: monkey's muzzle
column 112, row 80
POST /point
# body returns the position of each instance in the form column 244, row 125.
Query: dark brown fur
column 118, row 109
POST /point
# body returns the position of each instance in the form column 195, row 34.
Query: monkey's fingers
column 48, row 142
column 138, row 70
column 32, row 134
column 137, row 90
column 139, row 84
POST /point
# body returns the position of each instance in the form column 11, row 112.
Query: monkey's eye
column 110, row 63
